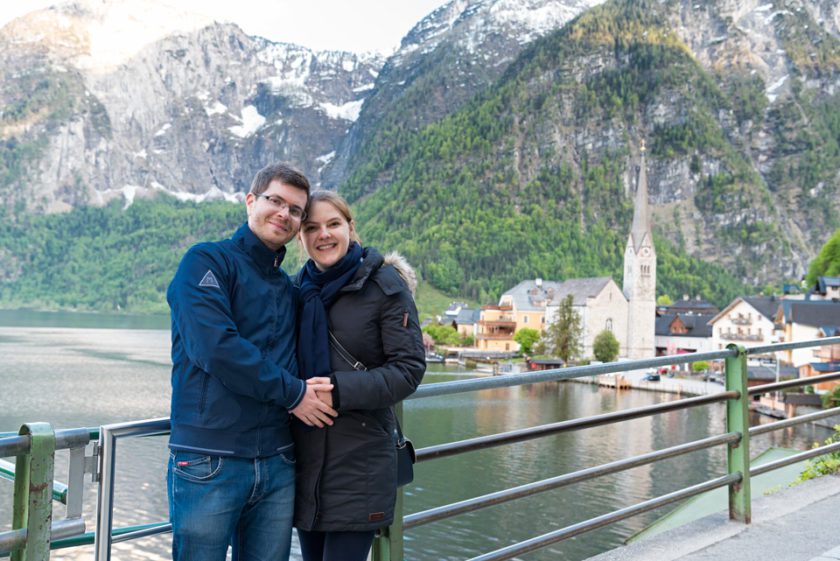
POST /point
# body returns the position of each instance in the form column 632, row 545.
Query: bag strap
column 359, row 365
column 345, row 354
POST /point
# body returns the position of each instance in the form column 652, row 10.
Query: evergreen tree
column 562, row 337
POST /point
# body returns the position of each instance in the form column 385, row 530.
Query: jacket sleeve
column 203, row 318
column 405, row 360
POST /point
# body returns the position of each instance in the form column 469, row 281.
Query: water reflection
column 87, row 377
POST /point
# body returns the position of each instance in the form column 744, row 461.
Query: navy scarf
column 318, row 291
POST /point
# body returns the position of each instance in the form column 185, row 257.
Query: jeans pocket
column 196, row 467
column 288, row 458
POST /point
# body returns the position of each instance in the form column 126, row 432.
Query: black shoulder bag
column 406, row 455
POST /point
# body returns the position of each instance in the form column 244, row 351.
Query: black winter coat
column 346, row 473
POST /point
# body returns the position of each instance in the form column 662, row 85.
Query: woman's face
column 325, row 234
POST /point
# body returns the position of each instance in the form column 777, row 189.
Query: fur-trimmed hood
column 406, row 271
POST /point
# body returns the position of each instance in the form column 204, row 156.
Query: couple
column 272, row 425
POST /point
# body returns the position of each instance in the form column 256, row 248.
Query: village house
column 522, row 306
column 747, row 320
column 678, row 333
column 806, row 319
column 826, row 288
column 826, row 359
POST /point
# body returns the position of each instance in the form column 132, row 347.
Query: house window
column 542, row 319
column 507, row 346
column 525, row 319
column 609, row 324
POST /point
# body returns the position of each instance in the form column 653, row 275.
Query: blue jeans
column 214, row 500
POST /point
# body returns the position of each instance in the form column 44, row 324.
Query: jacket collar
column 264, row 257
column 372, row 261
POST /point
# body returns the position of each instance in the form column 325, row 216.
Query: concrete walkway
column 799, row 523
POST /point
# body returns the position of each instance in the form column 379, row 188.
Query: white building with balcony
column 747, row 321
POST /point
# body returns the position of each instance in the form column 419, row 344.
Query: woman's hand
column 325, row 396
column 313, row 410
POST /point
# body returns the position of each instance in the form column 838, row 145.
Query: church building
column 629, row 313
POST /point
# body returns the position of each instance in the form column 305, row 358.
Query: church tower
column 640, row 274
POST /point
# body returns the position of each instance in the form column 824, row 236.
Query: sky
column 357, row 25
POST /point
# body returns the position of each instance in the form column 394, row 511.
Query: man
column 234, row 381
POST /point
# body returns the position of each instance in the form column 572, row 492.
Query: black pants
column 335, row 546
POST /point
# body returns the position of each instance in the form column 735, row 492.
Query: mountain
column 497, row 144
column 451, row 55
column 194, row 113
column 738, row 104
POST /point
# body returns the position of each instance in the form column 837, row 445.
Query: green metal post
column 389, row 546
column 33, row 492
column 738, row 420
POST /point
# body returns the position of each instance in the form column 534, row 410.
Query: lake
column 69, row 370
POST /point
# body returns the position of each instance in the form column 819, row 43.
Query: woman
column 346, row 473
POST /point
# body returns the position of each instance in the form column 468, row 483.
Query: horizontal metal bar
column 15, row 539
column 59, row 492
column 556, row 374
column 478, row 443
column 492, row 499
column 147, row 427
column 778, row 347
column 142, row 533
column 807, row 381
column 807, row 455
column 600, row 521
column 93, row 432
column 14, row 445
column 72, row 438
column 90, row 537
column 793, row 421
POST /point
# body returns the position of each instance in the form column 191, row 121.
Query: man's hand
column 311, row 410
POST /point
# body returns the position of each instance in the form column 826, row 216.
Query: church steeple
column 641, row 220
column 640, row 272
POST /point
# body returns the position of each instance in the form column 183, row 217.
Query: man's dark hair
column 282, row 173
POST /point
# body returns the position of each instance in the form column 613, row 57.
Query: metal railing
column 36, row 444
column 33, row 528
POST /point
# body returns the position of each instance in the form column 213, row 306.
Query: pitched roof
column 695, row 305
column 468, row 316
column 696, row 324
column 532, row 295
column 816, row 313
column 766, row 305
column 823, row 283
column 581, row 289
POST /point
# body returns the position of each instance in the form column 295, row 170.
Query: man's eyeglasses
column 280, row 203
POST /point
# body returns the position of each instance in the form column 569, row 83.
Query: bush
column 699, row 366
column 823, row 465
column 526, row 337
column 605, row 347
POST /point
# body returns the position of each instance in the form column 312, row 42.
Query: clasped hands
column 315, row 409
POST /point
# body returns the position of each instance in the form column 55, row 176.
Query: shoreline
column 680, row 386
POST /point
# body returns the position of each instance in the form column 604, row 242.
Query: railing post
column 738, row 420
column 389, row 546
column 33, row 492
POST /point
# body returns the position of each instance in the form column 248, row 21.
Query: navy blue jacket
column 234, row 370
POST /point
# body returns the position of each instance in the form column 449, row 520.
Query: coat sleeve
column 405, row 360
column 203, row 319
